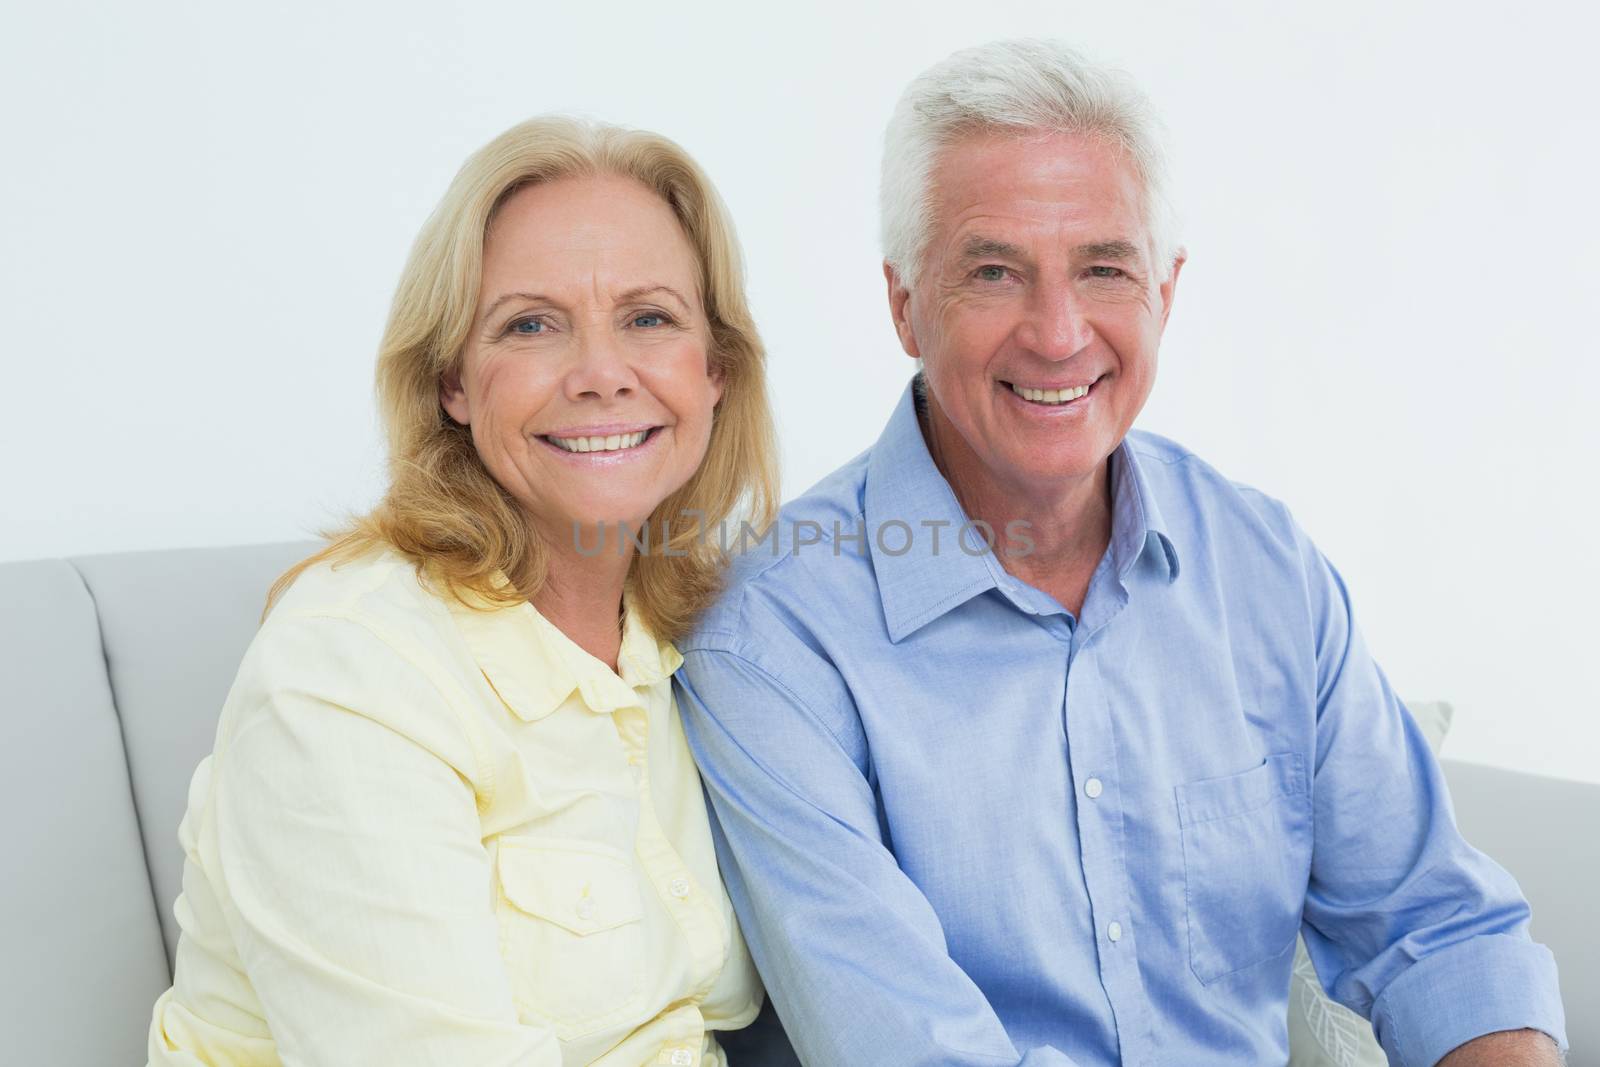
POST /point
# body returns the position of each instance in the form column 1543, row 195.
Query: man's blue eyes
column 998, row 274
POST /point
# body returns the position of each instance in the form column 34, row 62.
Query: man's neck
column 1068, row 523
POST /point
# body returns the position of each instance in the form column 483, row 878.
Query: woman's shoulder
column 374, row 579
column 375, row 595
column 362, row 632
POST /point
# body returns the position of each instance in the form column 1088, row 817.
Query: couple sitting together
column 1023, row 738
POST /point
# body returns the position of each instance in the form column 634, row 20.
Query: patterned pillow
column 1323, row 1033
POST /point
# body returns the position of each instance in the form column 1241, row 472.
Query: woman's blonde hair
column 442, row 509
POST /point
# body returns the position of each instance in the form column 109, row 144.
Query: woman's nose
column 602, row 369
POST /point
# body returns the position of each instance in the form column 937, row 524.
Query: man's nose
column 602, row 369
column 1057, row 325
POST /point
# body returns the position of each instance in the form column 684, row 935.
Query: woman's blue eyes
column 647, row 320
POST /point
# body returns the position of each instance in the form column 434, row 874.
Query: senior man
column 1068, row 797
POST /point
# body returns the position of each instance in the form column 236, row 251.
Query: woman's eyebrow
column 534, row 298
column 646, row 290
column 632, row 294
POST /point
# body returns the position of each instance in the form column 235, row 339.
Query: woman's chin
column 609, row 529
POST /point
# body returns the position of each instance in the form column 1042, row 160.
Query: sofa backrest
column 83, row 960
column 115, row 668
column 175, row 625
column 1546, row 832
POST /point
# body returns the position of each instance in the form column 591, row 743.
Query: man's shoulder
column 813, row 549
column 1170, row 463
column 836, row 498
column 1191, row 491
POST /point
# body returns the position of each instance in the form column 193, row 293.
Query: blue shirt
column 961, row 826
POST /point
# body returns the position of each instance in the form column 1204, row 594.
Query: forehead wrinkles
column 1050, row 181
column 1045, row 163
column 1041, row 238
column 599, row 236
column 592, row 252
column 594, row 285
column 1010, row 223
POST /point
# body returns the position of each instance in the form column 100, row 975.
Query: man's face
column 1037, row 283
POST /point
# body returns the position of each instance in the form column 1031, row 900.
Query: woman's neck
column 582, row 596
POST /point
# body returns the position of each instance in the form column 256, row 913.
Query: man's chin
column 1039, row 471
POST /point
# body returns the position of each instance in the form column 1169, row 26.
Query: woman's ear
column 453, row 397
column 719, row 383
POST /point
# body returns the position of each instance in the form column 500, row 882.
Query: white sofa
column 115, row 667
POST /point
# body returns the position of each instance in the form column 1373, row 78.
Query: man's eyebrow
column 540, row 298
column 1118, row 249
column 977, row 247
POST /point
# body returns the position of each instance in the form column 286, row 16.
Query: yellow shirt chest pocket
column 571, row 932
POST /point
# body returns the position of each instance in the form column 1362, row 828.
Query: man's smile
column 1051, row 396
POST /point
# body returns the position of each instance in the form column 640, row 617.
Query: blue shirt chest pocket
column 1246, row 860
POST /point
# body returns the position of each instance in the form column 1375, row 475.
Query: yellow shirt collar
column 535, row 667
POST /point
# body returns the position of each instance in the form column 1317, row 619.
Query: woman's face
column 585, row 379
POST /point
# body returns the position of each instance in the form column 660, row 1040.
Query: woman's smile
column 603, row 446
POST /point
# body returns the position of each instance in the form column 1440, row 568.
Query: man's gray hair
column 1026, row 86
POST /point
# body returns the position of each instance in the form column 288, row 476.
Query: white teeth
column 1050, row 396
column 617, row 442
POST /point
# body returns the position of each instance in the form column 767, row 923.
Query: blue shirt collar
column 913, row 522
column 1136, row 519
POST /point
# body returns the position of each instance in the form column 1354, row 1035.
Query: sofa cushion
column 1546, row 832
column 1323, row 1032
column 82, row 942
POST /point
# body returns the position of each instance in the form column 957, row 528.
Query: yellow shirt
column 434, row 835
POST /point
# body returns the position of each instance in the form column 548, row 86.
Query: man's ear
column 453, row 397
column 1169, row 288
column 899, row 311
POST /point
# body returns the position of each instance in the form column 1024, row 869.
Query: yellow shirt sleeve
column 343, row 843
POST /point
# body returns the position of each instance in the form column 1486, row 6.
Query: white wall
column 1384, row 320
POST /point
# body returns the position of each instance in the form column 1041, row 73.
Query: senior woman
column 450, row 818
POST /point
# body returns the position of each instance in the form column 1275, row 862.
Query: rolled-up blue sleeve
column 851, row 952
column 1406, row 923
